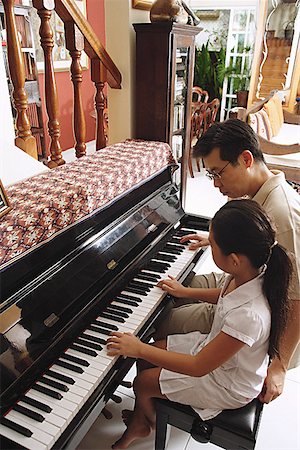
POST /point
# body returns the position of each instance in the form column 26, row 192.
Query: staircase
column 79, row 36
column 276, row 65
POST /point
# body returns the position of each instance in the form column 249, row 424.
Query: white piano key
column 26, row 442
column 69, row 396
column 49, row 417
column 29, row 423
column 85, row 382
column 65, row 404
column 37, row 434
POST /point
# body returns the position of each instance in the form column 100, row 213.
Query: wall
column 120, row 44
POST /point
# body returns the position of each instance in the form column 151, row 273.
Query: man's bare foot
column 126, row 416
column 135, row 431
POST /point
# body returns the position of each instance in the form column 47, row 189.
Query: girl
column 226, row 368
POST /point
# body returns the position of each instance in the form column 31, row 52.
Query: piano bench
column 231, row 429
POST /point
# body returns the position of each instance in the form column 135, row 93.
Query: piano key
column 46, row 391
column 55, row 384
column 83, row 350
column 63, row 404
column 95, row 368
column 90, row 345
column 26, row 442
column 24, row 431
column 124, row 327
column 32, row 402
column 49, row 417
column 89, row 337
column 59, row 411
column 84, row 393
column 44, row 427
column 27, row 412
column 120, row 308
column 80, row 379
column 106, row 315
column 79, row 361
column 60, row 376
column 71, row 367
column 105, row 324
column 65, row 396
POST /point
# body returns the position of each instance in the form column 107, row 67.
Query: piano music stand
column 231, row 429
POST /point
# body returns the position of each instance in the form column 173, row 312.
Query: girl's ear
column 247, row 158
column 235, row 260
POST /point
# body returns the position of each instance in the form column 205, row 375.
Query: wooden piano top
column 47, row 204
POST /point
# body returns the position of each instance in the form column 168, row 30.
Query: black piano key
column 135, row 290
column 36, row 404
column 88, row 337
column 116, row 312
column 69, row 366
column 129, row 297
column 14, row 426
column 99, row 330
column 107, row 325
column 160, row 263
column 55, row 384
column 112, row 317
column 120, row 308
column 60, row 376
column 27, row 412
column 139, row 285
column 143, row 284
column 148, row 277
column 181, row 233
column 91, row 345
column 46, row 391
column 173, row 250
column 165, row 257
column 126, row 302
column 74, row 359
column 84, row 350
column 177, row 242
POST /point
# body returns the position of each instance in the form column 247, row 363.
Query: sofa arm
column 271, row 148
column 291, row 118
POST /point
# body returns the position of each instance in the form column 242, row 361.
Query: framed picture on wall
column 142, row 4
column 61, row 56
column 4, row 203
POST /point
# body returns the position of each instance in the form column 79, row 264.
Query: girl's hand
column 202, row 241
column 173, row 287
column 123, row 344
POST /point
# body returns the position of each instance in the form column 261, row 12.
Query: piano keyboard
column 42, row 414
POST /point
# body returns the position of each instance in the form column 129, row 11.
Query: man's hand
column 202, row 241
column 274, row 382
column 173, row 287
column 123, row 344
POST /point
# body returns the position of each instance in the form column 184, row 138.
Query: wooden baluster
column 99, row 74
column 75, row 45
column 44, row 9
column 24, row 140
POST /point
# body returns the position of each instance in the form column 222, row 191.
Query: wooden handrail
column 68, row 11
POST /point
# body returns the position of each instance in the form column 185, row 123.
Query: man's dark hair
column 232, row 137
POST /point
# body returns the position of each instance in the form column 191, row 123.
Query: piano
column 60, row 301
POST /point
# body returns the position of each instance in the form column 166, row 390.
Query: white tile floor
column 280, row 425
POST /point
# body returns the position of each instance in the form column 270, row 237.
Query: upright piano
column 60, row 301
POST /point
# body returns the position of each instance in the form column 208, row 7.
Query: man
column 234, row 161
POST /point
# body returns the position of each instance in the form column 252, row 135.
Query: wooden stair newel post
column 24, row 140
column 75, row 45
column 44, row 9
column 99, row 77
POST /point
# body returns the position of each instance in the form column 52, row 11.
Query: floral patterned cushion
column 46, row 204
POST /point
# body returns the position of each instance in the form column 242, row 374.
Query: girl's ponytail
column 275, row 286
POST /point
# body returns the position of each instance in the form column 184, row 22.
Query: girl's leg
column 146, row 388
column 142, row 365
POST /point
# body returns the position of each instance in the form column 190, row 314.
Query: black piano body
column 50, row 296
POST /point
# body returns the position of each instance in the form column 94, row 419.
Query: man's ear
column 247, row 158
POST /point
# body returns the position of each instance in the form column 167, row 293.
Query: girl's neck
column 241, row 277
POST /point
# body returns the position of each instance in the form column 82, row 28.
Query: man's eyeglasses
column 213, row 175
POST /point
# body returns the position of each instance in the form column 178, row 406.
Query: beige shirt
column 282, row 204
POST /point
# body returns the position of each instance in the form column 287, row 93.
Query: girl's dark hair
column 242, row 226
column 232, row 137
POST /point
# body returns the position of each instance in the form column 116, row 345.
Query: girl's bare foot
column 135, row 431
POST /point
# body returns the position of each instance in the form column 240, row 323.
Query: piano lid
column 38, row 314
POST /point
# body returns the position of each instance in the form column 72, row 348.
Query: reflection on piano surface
column 60, row 302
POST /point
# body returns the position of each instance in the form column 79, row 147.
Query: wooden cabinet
column 34, row 110
column 165, row 55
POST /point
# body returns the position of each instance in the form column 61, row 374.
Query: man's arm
column 274, row 382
